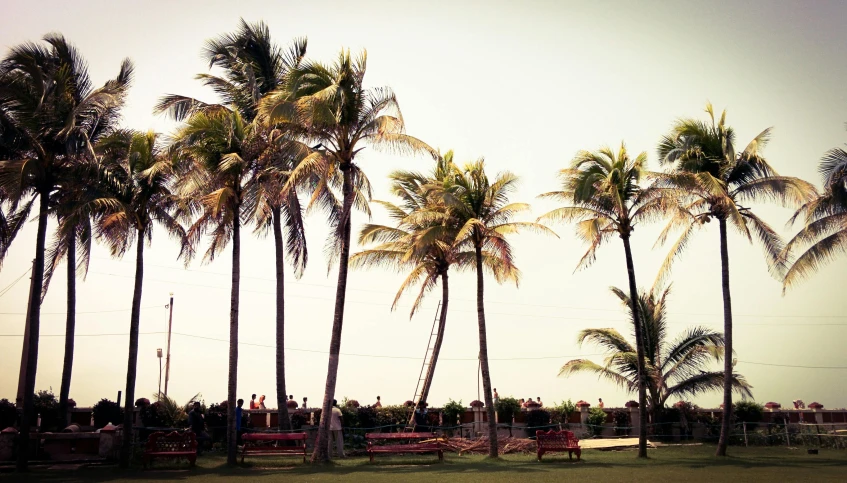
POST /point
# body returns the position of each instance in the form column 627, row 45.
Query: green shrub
column 560, row 413
column 749, row 412
column 622, row 422
column 298, row 420
column 506, row 409
column 392, row 415
column 8, row 414
column 452, row 410
column 537, row 419
column 105, row 412
column 596, row 420
column 47, row 406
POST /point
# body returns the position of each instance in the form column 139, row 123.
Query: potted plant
column 476, row 404
column 816, row 406
column 631, row 404
column 772, row 405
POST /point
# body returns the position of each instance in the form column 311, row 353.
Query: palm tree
column 716, row 180
column 606, row 198
column 484, row 217
column 423, row 241
column 72, row 238
column 50, row 115
column 138, row 192
column 252, row 67
column 331, row 106
column 674, row 368
column 825, row 217
column 214, row 166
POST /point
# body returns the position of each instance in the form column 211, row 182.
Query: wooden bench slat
column 173, row 445
column 253, row 444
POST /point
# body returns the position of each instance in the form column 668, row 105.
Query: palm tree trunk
column 281, row 398
column 232, row 384
column 439, row 338
column 639, row 349
column 727, row 334
column 34, row 326
column 483, row 357
column 70, row 328
column 132, row 362
column 321, row 452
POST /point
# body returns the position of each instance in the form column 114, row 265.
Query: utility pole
column 19, row 400
column 168, row 357
column 159, row 355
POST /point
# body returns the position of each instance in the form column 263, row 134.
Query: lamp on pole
column 159, row 355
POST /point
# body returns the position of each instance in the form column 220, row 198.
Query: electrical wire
column 8, row 287
column 384, row 356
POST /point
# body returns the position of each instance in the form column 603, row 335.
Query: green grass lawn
column 685, row 464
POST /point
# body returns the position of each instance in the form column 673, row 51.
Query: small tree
column 506, row 409
column 596, row 420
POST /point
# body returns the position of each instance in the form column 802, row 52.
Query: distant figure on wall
column 291, row 402
column 523, row 403
column 600, row 404
column 239, row 410
column 337, row 430
column 378, row 403
column 304, row 402
column 253, row 404
column 538, row 400
column 261, row 402
column 496, row 397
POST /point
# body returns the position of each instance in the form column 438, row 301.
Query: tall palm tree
column 253, row 66
column 674, row 368
column 716, row 180
column 605, row 197
column 824, row 233
column 137, row 187
column 334, row 109
column 50, row 115
column 214, row 165
column 422, row 241
column 72, row 238
column 484, row 216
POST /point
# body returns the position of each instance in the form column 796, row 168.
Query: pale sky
column 524, row 84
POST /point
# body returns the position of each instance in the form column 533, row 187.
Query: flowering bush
column 409, row 404
column 816, row 405
column 477, row 403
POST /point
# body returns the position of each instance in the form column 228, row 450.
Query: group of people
column 291, row 403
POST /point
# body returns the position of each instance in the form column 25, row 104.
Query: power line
column 384, row 356
column 8, row 287
column 466, row 300
column 87, row 312
column 538, row 316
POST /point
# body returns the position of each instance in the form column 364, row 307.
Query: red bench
column 173, row 445
column 414, row 443
column 267, row 444
column 557, row 442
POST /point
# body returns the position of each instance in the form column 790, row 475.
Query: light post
column 168, row 354
column 159, row 355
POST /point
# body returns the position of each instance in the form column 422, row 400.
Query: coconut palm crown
column 824, row 234
column 676, row 368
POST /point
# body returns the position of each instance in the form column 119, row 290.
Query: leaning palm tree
column 214, row 164
column 137, row 192
column 484, row 216
column 825, row 232
column 421, row 241
column 605, row 197
column 717, row 182
column 50, row 115
column 674, row 368
column 331, row 107
column 252, row 66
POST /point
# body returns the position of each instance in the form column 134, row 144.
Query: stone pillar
column 478, row 423
column 635, row 420
column 583, row 414
column 7, row 443
column 109, row 442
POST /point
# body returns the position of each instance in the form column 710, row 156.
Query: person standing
column 239, row 410
column 336, row 429
column 261, row 402
column 197, row 424
column 600, row 404
column 304, row 402
column 496, row 397
column 378, row 403
column 253, row 404
column 538, row 400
